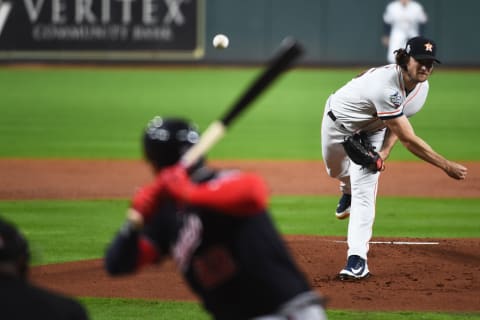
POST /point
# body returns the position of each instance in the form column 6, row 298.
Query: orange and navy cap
column 422, row 48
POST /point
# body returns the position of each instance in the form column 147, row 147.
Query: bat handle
column 214, row 132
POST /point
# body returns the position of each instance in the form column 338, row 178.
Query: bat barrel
column 290, row 49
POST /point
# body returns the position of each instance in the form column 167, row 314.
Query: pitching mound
column 408, row 274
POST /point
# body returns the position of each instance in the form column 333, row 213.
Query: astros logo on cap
column 428, row 46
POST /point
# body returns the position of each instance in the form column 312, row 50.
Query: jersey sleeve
column 388, row 103
column 148, row 253
column 388, row 15
column 129, row 251
column 148, row 198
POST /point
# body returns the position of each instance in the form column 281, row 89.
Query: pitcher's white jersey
column 378, row 93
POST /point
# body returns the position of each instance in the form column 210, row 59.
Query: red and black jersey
column 223, row 242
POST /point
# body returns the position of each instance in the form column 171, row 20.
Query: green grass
column 350, row 315
column 72, row 230
column 133, row 309
column 60, row 231
column 99, row 113
column 395, row 217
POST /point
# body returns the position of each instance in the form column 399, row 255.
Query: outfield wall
column 334, row 32
column 337, row 31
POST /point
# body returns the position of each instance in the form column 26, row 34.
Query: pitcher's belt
column 331, row 115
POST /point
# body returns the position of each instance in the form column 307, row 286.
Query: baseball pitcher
column 362, row 121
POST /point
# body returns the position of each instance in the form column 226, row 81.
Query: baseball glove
column 361, row 151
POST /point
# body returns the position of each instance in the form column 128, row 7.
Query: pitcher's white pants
column 360, row 183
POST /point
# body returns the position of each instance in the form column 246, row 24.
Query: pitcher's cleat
column 356, row 269
column 343, row 207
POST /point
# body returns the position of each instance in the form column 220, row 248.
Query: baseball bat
column 289, row 50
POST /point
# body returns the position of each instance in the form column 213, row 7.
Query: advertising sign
column 101, row 29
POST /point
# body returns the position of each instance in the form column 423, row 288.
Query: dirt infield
column 441, row 275
column 100, row 179
column 422, row 277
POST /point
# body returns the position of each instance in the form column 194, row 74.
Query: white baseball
column 220, row 41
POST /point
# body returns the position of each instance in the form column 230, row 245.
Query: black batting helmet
column 166, row 139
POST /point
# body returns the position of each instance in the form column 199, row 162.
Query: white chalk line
column 413, row 243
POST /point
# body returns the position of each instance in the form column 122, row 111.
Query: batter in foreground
column 216, row 226
column 374, row 108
